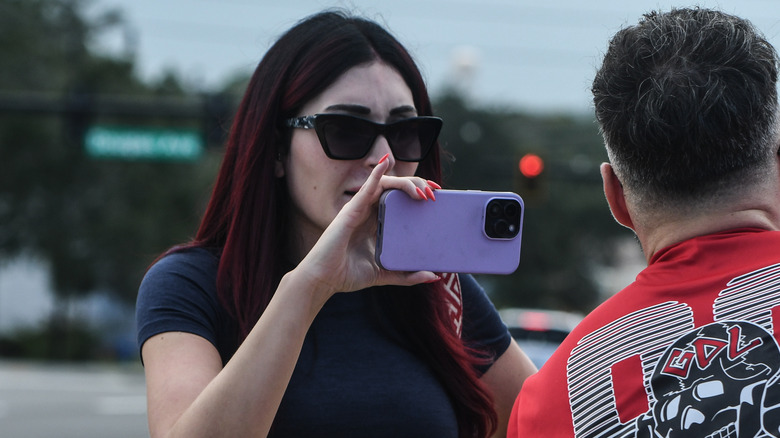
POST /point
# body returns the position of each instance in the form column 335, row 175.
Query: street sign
column 134, row 143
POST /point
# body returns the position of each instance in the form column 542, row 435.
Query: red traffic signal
column 531, row 165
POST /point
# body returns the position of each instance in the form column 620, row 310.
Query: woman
column 242, row 331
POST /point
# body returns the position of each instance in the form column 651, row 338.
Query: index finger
column 373, row 183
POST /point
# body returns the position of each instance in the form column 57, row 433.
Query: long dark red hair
column 245, row 217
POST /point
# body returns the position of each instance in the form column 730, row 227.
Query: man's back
column 686, row 350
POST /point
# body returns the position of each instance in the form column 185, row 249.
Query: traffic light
column 530, row 176
column 531, row 166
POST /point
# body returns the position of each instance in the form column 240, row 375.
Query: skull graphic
column 719, row 380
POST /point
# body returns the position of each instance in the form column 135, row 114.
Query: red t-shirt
column 686, row 350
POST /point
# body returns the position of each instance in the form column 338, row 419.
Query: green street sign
column 143, row 143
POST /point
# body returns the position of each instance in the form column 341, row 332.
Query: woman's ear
column 279, row 165
column 613, row 191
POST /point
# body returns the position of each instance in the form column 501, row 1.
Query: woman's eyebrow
column 350, row 108
column 363, row 110
column 403, row 110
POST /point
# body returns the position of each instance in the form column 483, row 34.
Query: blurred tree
column 568, row 230
column 97, row 222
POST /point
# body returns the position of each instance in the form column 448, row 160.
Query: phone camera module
column 502, row 220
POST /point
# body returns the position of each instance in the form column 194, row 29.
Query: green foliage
column 99, row 222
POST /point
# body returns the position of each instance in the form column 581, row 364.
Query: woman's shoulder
column 471, row 289
column 179, row 293
column 186, row 260
column 477, row 305
column 183, row 269
column 468, row 282
column 189, row 255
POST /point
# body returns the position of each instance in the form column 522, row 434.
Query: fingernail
column 421, row 193
column 430, row 194
column 433, row 185
column 383, row 158
column 434, row 280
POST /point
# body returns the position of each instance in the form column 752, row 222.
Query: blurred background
column 112, row 119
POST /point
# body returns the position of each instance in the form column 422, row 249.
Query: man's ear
column 613, row 191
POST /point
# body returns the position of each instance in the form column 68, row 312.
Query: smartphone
column 464, row 231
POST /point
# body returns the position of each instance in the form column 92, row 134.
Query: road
column 72, row 401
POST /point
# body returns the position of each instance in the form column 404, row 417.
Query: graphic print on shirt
column 661, row 340
column 720, row 380
column 631, row 344
column 454, row 297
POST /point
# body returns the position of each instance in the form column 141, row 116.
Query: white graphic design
column 645, row 332
column 715, row 382
column 732, row 364
column 750, row 297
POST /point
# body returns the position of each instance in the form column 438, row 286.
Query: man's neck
column 672, row 231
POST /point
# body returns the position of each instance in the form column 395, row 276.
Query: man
column 687, row 104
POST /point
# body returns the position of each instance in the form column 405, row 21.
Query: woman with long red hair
column 248, row 330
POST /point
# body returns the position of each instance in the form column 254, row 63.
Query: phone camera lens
column 502, row 228
column 502, row 219
column 494, row 209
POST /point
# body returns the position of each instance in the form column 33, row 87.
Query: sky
column 531, row 55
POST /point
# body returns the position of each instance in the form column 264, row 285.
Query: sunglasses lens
column 346, row 138
column 411, row 139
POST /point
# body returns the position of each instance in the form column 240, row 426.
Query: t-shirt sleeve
column 178, row 293
column 482, row 325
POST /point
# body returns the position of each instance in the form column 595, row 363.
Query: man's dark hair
column 687, row 102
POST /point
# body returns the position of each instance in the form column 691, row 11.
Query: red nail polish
column 430, row 194
column 421, row 193
column 383, row 158
column 433, row 185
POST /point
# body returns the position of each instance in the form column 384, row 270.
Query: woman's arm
column 191, row 395
column 505, row 378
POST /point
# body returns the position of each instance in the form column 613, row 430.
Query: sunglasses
column 345, row 137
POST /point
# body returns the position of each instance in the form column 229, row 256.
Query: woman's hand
column 342, row 260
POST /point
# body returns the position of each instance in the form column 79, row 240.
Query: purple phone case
column 446, row 235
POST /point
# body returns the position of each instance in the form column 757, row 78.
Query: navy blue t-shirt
column 351, row 379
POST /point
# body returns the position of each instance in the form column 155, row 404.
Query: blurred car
column 539, row 331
